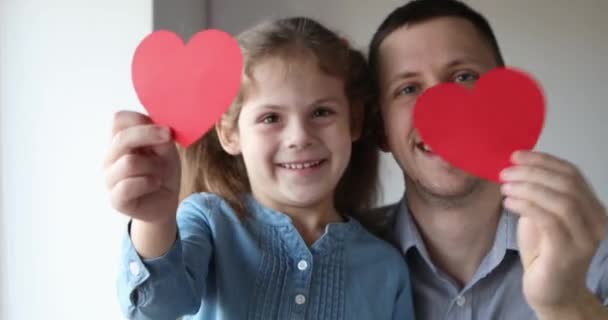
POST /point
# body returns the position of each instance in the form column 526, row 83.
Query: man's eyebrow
column 406, row 74
column 402, row 76
column 463, row 60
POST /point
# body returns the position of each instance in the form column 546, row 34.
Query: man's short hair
column 422, row 10
column 417, row 11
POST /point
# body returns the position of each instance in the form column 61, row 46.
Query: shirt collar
column 407, row 236
column 269, row 216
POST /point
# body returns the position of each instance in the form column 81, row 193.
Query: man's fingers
column 558, row 187
column 544, row 220
column 549, row 177
column 545, row 160
column 572, row 214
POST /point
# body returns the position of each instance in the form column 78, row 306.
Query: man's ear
column 357, row 122
column 229, row 138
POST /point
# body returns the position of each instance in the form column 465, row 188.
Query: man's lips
column 423, row 147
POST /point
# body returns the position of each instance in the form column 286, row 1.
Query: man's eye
column 466, row 77
column 406, row 90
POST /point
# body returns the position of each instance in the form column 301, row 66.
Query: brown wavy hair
column 208, row 168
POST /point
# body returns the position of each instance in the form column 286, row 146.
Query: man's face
column 412, row 59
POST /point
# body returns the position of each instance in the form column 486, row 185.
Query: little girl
column 272, row 228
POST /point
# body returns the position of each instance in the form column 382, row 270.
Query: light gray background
column 563, row 44
column 65, row 69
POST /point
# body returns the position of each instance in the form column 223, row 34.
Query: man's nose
column 433, row 80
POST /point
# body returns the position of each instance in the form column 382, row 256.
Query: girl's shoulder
column 208, row 206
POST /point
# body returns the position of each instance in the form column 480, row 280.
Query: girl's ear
column 229, row 137
column 356, row 121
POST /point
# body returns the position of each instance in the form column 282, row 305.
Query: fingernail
column 164, row 133
column 516, row 155
column 505, row 174
column 513, row 156
column 506, row 188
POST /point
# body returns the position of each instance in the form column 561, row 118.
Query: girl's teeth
column 301, row 165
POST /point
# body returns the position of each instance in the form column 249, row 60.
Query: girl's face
column 294, row 132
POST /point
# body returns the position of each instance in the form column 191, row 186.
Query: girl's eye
column 322, row 112
column 270, row 118
column 406, row 90
column 466, row 77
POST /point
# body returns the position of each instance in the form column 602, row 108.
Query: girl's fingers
column 125, row 194
column 126, row 119
column 138, row 137
column 132, row 165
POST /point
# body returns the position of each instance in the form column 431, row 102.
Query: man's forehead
column 441, row 41
column 432, row 34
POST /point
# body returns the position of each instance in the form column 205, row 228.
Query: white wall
column 563, row 43
column 64, row 70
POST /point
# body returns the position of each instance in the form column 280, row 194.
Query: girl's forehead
column 285, row 63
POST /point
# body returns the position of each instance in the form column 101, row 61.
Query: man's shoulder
column 385, row 217
column 601, row 255
column 387, row 210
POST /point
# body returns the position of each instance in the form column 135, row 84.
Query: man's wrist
column 585, row 307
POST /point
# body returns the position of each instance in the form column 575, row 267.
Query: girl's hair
column 208, row 168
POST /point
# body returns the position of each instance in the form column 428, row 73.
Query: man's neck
column 458, row 237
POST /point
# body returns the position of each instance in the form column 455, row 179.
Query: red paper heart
column 189, row 87
column 478, row 130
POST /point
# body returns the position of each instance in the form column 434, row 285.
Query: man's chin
column 454, row 190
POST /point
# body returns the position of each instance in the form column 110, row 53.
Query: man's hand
column 561, row 225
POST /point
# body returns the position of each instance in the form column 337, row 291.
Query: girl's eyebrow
column 270, row 106
column 325, row 100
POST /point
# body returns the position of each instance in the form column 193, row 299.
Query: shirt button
column 134, row 268
column 300, row 299
column 460, row 301
column 302, row 265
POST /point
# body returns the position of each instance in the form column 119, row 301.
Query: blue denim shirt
column 221, row 267
column 495, row 291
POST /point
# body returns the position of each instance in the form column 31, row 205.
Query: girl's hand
column 142, row 169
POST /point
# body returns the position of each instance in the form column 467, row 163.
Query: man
column 470, row 242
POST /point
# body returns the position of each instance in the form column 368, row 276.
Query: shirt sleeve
column 604, row 282
column 597, row 276
column 172, row 285
column 404, row 305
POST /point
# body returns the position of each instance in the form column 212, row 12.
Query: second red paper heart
column 478, row 130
